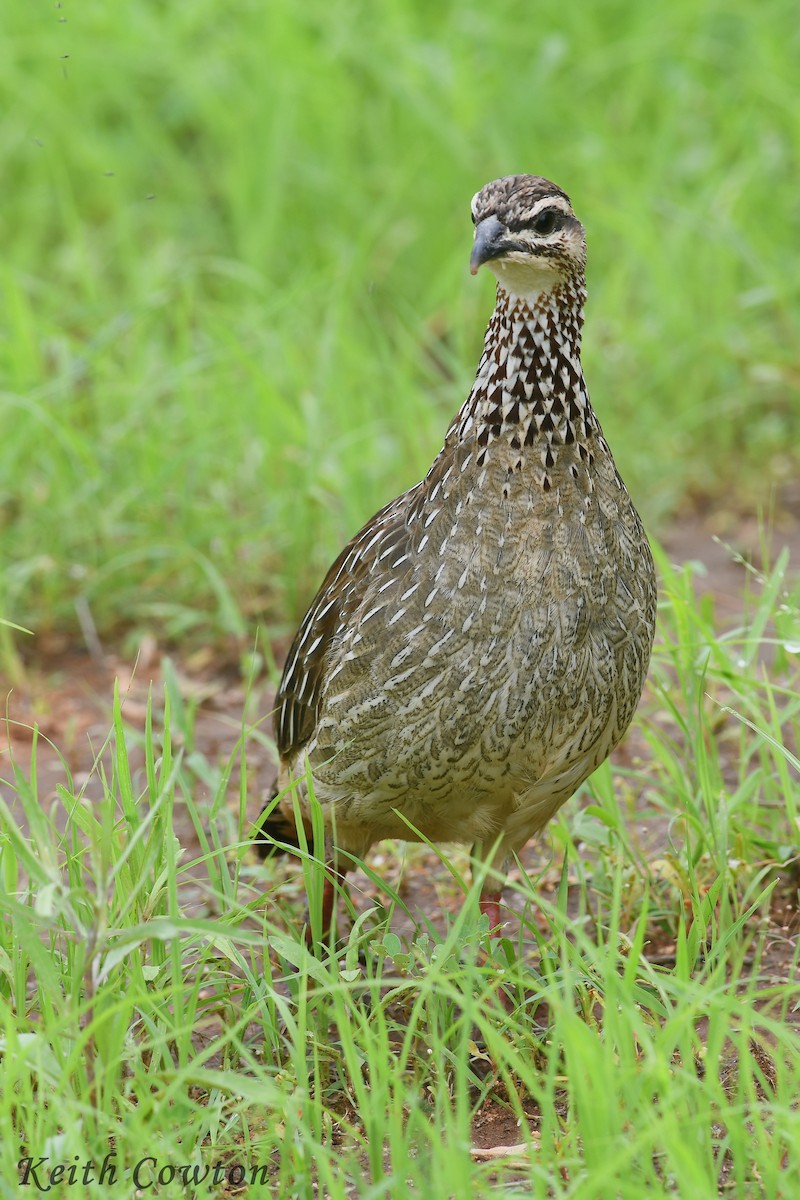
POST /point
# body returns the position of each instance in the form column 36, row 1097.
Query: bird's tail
column 276, row 830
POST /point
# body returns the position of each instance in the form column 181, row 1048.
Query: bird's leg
column 495, row 858
column 329, row 892
column 489, row 904
column 333, row 882
column 489, row 901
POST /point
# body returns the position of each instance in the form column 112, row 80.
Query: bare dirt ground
column 67, row 693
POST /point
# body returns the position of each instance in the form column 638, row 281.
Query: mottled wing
column 380, row 548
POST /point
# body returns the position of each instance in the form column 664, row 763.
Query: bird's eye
column 545, row 222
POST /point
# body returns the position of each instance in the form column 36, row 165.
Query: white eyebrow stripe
column 548, row 202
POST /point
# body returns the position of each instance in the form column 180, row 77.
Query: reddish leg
column 489, row 904
column 489, row 864
column 334, row 880
column 329, row 899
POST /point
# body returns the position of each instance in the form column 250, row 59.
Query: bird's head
column 527, row 235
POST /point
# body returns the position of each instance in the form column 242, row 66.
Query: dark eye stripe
column 544, row 222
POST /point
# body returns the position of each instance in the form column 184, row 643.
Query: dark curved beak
column 490, row 242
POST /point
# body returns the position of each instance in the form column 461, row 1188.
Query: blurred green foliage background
column 236, row 311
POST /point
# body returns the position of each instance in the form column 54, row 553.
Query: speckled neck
column 529, row 394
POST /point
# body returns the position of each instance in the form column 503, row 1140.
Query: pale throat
column 524, row 281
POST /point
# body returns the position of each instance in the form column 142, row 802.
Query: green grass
column 168, row 1009
column 235, row 318
column 234, row 297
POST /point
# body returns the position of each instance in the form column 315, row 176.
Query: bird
column 480, row 646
